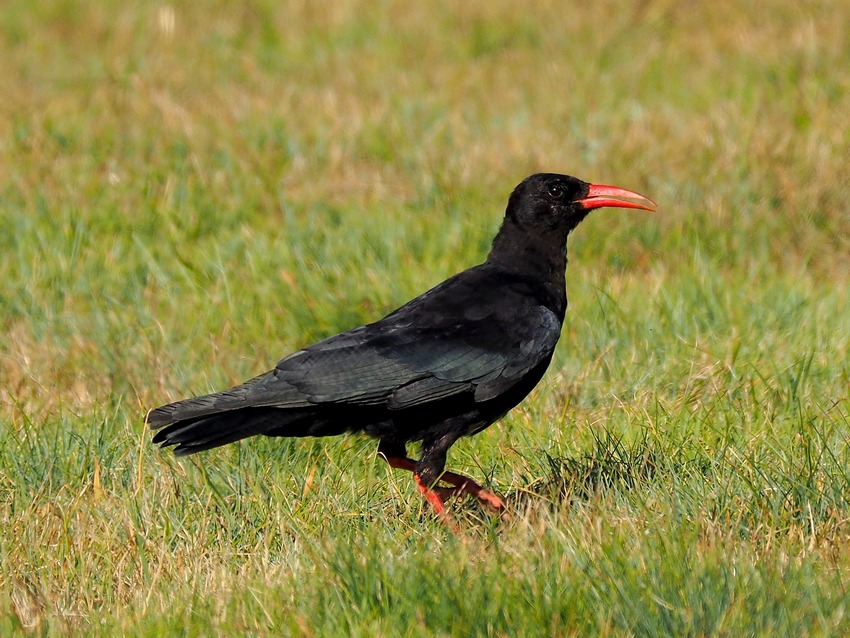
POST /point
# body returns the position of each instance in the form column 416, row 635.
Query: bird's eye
column 556, row 191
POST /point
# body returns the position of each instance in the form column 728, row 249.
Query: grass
column 188, row 192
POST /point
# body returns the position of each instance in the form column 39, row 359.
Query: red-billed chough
column 445, row 365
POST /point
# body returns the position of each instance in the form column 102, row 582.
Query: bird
column 445, row 365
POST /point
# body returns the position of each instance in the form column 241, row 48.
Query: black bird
column 445, row 365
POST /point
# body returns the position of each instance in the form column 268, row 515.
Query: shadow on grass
column 611, row 464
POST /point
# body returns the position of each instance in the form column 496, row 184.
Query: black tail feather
column 195, row 435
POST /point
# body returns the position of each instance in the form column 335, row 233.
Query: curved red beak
column 600, row 195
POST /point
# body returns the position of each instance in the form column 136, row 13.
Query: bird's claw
column 487, row 499
column 434, row 495
column 437, row 495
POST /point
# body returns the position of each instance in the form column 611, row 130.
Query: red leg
column 436, row 502
column 460, row 484
column 465, row 485
column 399, row 462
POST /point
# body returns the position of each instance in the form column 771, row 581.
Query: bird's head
column 560, row 201
column 542, row 211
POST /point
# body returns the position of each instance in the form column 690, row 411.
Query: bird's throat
column 541, row 255
column 539, row 258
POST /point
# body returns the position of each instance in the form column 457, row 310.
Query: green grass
column 190, row 191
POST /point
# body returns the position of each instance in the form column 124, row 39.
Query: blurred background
column 188, row 191
column 151, row 152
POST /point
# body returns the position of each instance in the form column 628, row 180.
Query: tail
column 213, row 420
column 203, row 433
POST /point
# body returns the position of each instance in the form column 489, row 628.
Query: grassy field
column 190, row 191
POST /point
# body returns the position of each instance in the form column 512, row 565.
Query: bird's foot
column 434, row 497
column 465, row 485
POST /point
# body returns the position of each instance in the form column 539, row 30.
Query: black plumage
column 445, row 365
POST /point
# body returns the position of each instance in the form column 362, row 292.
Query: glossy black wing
column 460, row 337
